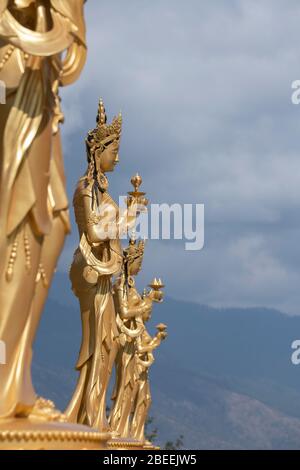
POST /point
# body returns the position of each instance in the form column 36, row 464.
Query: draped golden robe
column 33, row 212
column 99, row 329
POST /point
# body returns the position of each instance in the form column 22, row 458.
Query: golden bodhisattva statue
column 42, row 47
column 132, row 311
column 113, row 313
column 97, row 259
column 143, row 361
column 34, row 207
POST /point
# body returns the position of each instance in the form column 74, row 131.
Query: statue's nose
column 117, row 158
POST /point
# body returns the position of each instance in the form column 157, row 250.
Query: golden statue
column 132, row 311
column 42, row 47
column 142, row 395
column 97, row 259
column 34, row 208
column 112, row 313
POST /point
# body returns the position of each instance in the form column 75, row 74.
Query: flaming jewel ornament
column 137, row 195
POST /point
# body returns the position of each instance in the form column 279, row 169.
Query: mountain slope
column 223, row 378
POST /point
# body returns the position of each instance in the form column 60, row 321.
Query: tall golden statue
column 34, row 218
column 34, row 208
column 97, row 259
column 132, row 311
column 42, row 47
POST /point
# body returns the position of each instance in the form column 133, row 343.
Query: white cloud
column 205, row 91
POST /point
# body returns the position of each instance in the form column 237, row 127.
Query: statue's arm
column 125, row 311
column 92, row 219
column 73, row 63
column 148, row 344
column 43, row 44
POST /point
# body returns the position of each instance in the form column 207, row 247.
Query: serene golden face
column 107, row 159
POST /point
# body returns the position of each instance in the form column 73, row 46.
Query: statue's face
column 107, row 159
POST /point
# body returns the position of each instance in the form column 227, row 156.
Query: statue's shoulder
column 83, row 188
column 146, row 337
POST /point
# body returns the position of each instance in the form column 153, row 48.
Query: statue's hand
column 156, row 295
column 161, row 335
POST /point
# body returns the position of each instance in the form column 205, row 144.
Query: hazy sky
column 205, row 92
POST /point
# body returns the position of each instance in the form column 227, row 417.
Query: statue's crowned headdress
column 97, row 137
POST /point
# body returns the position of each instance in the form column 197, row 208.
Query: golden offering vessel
column 156, row 284
column 161, row 327
column 137, row 195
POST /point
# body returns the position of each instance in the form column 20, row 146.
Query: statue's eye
column 108, row 143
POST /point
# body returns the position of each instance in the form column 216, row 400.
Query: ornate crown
column 103, row 130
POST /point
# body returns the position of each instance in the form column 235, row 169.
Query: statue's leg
column 116, row 412
column 81, row 405
column 76, row 410
column 101, row 422
column 51, row 250
column 112, row 419
column 126, row 394
column 140, row 413
column 147, row 404
column 125, row 410
column 17, row 287
column 133, row 410
column 107, row 351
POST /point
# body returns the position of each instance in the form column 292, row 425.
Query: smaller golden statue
column 132, row 393
column 143, row 360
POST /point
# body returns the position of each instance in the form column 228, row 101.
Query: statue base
column 130, row 444
column 34, row 434
column 149, row 446
column 121, row 443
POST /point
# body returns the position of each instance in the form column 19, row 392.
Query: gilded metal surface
column 37, row 434
column 34, row 222
column 34, row 207
column 113, row 313
column 95, row 261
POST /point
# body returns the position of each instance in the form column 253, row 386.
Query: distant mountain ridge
column 223, row 378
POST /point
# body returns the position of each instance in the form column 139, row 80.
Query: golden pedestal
column 124, row 444
column 33, row 434
column 130, row 444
